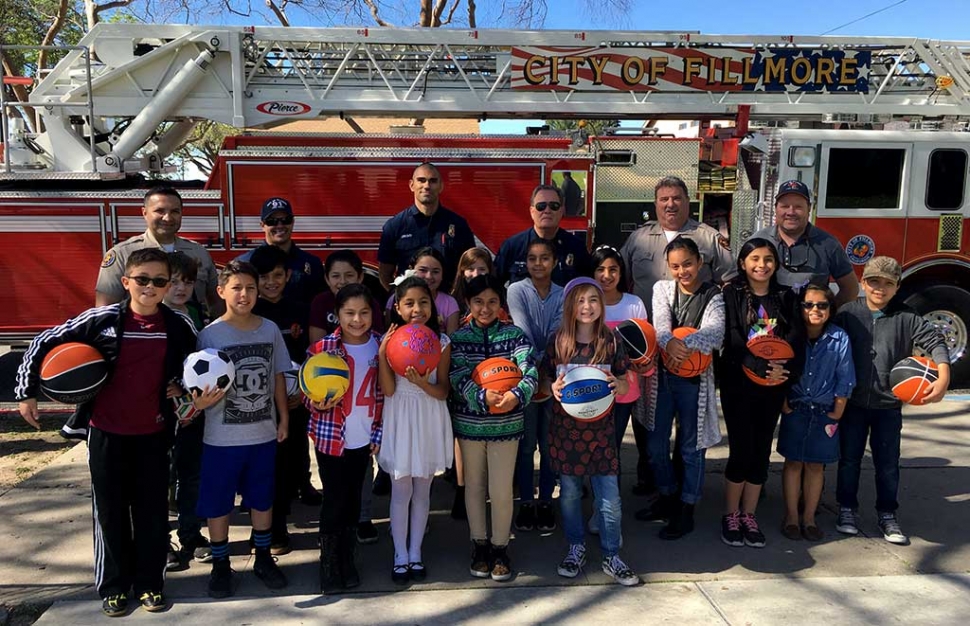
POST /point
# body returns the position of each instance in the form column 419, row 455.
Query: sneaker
column 891, row 530
column 481, row 566
column 220, row 580
column 115, row 606
column 731, row 529
column 594, row 523
column 615, row 568
column 525, row 521
column 366, row 533
column 575, row 560
column 172, row 560
column 848, row 521
column 545, row 517
column 280, row 544
column 269, row 572
column 197, row 548
column 752, row 534
column 501, row 564
column 153, row 601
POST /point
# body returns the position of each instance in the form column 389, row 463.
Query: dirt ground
column 23, row 450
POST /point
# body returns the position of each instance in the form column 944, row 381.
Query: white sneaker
column 891, row 531
column 615, row 568
column 848, row 521
column 570, row 566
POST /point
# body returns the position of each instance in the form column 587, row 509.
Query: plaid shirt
column 326, row 428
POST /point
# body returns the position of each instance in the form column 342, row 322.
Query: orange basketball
column 640, row 339
column 72, row 373
column 771, row 348
column 910, row 378
column 692, row 366
column 497, row 374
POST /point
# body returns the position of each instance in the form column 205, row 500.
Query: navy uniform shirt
column 306, row 274
column 815, row 257
column 291, row 316
column 572, row 257
column 410, row 230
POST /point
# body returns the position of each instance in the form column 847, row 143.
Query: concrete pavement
column 45, row 556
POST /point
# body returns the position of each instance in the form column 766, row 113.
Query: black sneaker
column 172, row 560
column 752, row 534
column 545, row 517
column 220, row 580
column 269, row 572
column 481, row 565
column 153, row 601
column 197, row 548
column 731, row 530
column 366, row 533
column 525, row 521
column 115, row 606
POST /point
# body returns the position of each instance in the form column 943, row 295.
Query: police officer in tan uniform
column 643, row 252
column 163, row 217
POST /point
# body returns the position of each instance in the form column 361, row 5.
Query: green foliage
column 590, row 127
column 26, row 22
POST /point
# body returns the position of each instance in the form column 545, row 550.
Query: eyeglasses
column 276, row 221
column 142, row 281
column 821, row 306
column 552, row 206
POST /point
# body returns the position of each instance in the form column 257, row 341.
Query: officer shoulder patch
column 109, row 259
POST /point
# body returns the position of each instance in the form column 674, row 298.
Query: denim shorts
column 227, row 470
column 809, row 435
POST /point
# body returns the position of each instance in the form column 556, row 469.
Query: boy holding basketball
column 241, row 430
column 883, row 331
column 129, row 426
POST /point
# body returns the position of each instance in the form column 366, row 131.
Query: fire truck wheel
column 948, row 307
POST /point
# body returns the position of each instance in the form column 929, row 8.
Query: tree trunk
column 426, row 13
column 472, row 21
column 51, row 34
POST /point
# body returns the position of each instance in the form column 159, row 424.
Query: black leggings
column 751, row 413
column 342, row 478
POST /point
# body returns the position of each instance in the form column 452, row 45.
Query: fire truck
column 876, row 126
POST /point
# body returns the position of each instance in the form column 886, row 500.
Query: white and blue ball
column 208, row 368
column 292, row 378
column 587, row 395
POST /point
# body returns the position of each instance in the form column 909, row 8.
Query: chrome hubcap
column 954, row 331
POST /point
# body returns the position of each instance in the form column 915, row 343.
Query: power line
column 868, row 15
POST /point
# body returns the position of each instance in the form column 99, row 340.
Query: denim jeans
column 883, row 428
column 676, row 395
column 621, row 418
column 187, row 463
column 607, row 497
column 536, row 433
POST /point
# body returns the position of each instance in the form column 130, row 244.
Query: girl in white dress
column 418, row 441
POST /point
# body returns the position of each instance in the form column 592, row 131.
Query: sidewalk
column 46, row 554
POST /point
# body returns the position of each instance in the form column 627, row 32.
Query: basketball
column 771, row 348
column 324, row 377
column 640, row 339
column 208, row 368
column 910, row 378
column 587, row 395
column 692, row 366
column 497, row 374
column 72, row 373
column 413, row 345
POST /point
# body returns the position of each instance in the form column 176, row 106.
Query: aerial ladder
column 128, row 94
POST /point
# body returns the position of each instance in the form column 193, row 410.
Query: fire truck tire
column 948, row 307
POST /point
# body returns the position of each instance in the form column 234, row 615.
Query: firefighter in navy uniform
column 546, row 208
column 424, row 223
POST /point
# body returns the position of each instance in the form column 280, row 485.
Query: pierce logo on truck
column 284, row 108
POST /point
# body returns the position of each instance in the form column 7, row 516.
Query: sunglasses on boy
column 552, row 206
column 286, row 220
column 142, row 281
column 821, row 306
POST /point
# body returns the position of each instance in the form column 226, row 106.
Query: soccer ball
column 292, row 380
column 208, row 368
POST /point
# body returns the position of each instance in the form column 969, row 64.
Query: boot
column 345, row 556
column 330, row 579
column 681, row 522
column 661, row 509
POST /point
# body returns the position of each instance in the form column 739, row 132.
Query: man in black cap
column 306, row 270
column 808, row 253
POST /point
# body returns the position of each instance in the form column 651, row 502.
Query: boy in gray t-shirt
column 241, row 431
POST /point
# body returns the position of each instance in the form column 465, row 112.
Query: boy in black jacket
column 129, row 426
column 883, row 331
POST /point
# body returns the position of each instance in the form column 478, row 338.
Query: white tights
column 415, row 492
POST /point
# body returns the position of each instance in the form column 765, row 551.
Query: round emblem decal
column 860, row 249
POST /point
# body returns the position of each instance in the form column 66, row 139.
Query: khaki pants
column 489, row 468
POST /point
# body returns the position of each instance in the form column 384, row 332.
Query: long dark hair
column 603, row 253
column 741, row 280
column 683, row 243
column 353, row 290
column 401, row 289
column 483, row 283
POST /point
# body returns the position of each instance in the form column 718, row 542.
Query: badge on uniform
column 306, row 267
column 569, row 260
column 109, row 259
column 451, row 230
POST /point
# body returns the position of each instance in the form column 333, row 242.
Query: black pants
column 187, row 465
column 292, row 466
column 129, row 485
column 751, row 414
column 342, row 478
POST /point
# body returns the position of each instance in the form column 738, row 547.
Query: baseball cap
column 883, row 267
column 275, row 205
column 793, row 186
column 582, row 280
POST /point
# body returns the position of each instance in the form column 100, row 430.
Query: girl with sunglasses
column 809, row 434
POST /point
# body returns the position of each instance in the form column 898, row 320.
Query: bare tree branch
column 472, row 17
column 93, row 10
column 278, row 12
column 51, row 33
column 425, row 17
column 439, row 8
column 451, row 13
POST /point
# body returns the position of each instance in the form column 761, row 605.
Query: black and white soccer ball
column 208, row 368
